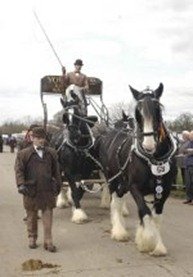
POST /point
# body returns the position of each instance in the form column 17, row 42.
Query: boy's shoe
column 32, row 243
column 50, row 247
column 187, row 201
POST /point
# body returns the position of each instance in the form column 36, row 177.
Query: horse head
column 148, row 115
column 75, row 116
column 126, row 122
column 73, row 103
column 76, row 94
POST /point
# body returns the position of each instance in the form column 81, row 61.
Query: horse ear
column 158, row 91
column 65, row 119
column 74, row 96
column 124, row 116
column 136, row 93
column 63, row 102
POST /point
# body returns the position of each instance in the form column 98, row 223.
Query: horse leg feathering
column 118, row 231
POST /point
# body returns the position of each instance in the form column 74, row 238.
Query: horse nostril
column 150, row 151
column 149, row 148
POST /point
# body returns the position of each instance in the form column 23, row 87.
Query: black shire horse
column 75, row 147
column 141, row 162
column 126, row 122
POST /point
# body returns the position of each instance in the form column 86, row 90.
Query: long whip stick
column 51, row 45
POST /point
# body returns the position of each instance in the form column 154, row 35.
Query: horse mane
column 165, row 144
column 151, row 107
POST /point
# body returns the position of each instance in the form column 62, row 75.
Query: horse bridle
column 148, row 134
column 81, row 118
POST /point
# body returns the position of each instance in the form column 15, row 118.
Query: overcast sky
column 139, row 42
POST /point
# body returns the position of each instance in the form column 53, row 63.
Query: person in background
column 38, row 179
column 181, row 156
column 1, row 143
column 189, row 170
column 12, row 142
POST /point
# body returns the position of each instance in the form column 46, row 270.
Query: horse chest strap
column 160, row 169
column 158, row 188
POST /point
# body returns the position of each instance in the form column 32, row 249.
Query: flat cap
column 39, row 132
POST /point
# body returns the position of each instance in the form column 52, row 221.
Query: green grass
column 178, row 194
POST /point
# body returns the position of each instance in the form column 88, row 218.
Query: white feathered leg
column 160, row 249
column 118, row 231
column 148, row 238
column 105, row 197
column 62, row 200
column 125, row 209
column 79, row 216
column 147, row 235
column 69, row 195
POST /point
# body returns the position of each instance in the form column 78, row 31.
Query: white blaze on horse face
column 70, row 116
column 78, row 91
column 149, row 142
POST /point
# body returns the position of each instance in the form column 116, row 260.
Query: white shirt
column 39, row 152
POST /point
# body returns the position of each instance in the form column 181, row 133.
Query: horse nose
column 150, row 151
column 149, row 146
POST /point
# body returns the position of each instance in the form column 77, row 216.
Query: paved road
column 87, row 250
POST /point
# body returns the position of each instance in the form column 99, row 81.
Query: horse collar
column 158, row 167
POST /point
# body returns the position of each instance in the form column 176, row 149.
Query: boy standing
column 38, row 179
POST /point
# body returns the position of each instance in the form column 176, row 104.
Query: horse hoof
column 145, row 241
column 121, row 236
column 62, row 205
column 105, row 206
column 79, row 216
column 158, row 254
column 159, row 251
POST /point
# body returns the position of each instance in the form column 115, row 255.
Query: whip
column 47, row 38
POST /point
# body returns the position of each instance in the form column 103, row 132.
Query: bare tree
column 57, row 118
column 115, row 111
column 17, row 126
column 183, row 122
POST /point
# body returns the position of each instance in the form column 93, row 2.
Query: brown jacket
column 41, row 173
column 79, row 80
